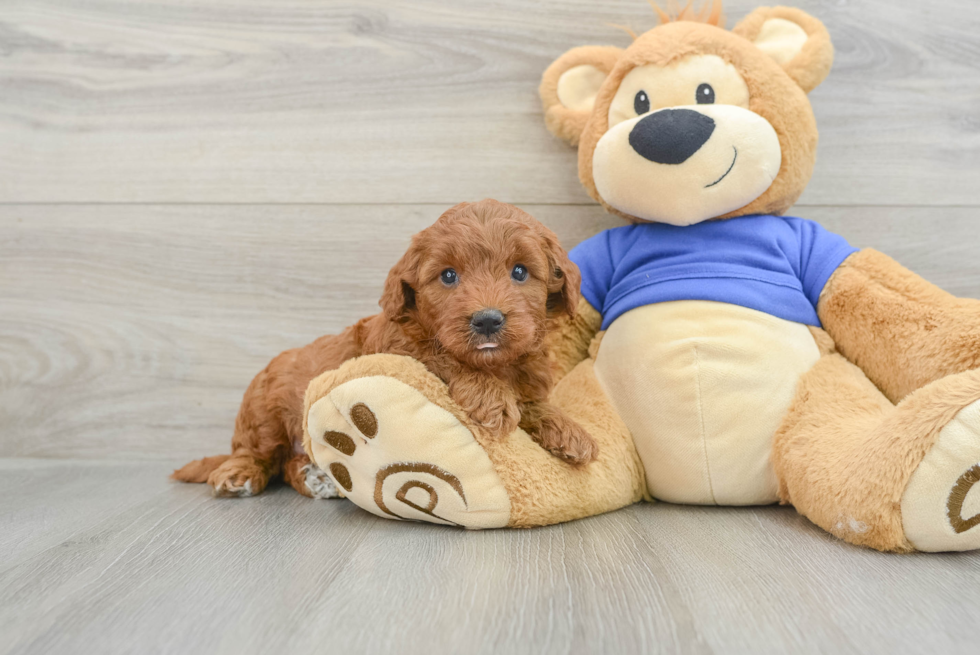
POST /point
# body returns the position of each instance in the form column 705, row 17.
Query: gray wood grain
column 48, row 502
column 132, row 331
column 188, row 188
column 429, row 101
column 179, row 571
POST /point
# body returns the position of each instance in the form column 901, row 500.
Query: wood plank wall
column 187, row 188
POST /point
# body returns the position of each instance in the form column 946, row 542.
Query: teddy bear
column 723, row 353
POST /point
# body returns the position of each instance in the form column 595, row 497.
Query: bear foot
column 941, row 504
column 398, row 455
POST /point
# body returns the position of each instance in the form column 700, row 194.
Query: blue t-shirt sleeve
column 821, row 253
column 596, row 259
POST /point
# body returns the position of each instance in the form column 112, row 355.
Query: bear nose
column 487, row 322
column 671, row 136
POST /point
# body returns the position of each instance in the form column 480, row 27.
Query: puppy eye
column 519, row 273
column 449, row 277
column 641, row 103
column 705, row 95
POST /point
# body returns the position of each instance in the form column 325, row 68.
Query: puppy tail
column 199, row 469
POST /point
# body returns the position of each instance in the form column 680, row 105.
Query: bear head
column 694, row 122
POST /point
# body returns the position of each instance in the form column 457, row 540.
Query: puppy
column 472, row 299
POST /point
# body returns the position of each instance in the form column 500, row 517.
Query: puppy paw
column 499, row 417
column 318, row 483
column 239, row 477
column 566, row 440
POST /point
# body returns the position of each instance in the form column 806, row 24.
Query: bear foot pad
column 399, row 456
column 941, row 504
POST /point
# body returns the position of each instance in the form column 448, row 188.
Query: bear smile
column 734, row 159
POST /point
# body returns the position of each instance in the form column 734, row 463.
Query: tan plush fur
column 542, row 489
column 901, row 330
column 844, row 454
column 776, row 94
column 430, row 320
column 811, row 66
column 561, row 121
column 568, row 343
column 556, row 492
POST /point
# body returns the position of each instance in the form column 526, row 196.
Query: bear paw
column 398, row 455
column 941, row 504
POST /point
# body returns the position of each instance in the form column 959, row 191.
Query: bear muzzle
column 684, row 165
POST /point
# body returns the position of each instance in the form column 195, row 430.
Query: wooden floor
column 187, row 188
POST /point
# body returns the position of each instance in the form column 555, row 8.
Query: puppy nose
column 671, row 136
column 487, row 322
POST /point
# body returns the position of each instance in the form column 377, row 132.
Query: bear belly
column 703, row 387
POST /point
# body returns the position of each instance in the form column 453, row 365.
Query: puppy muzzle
column 487, row 322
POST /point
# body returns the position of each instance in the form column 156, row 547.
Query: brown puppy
column 472, row 299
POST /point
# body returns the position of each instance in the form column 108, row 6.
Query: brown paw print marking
column 340, row 442
column 957, row 497
column 341, row 475
column 402, row 493
column 364, row 420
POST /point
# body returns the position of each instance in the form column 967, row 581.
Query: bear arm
column 902, row 331
column 568, row 342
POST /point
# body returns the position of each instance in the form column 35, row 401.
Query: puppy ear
column 569, row 87
column 794, row 39
column 398, row 299
column 564, row 278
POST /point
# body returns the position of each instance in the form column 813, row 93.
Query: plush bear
column 724, row 353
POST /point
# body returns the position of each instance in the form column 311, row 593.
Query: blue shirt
column 774, row 264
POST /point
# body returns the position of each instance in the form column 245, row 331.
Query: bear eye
column 705, row 95
column 519, row 273
column 641, row 103
column 449, row 277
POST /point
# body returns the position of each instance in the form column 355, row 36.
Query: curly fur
column 500, row 388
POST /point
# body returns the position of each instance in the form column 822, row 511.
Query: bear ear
column 569, row 87
column 794, row 39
